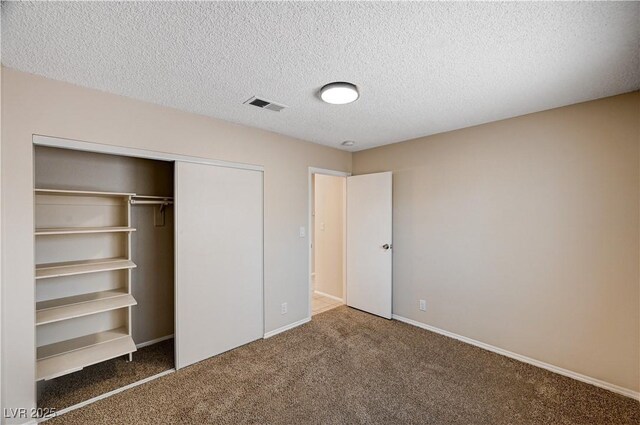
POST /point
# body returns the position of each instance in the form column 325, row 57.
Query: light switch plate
column 303, row 232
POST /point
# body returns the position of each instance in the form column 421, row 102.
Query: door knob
column 386, row 246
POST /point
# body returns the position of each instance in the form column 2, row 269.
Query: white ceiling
column 422, row 68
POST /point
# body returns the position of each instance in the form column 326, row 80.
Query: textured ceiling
column 422, row 68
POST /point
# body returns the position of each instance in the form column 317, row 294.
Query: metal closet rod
column 158, row 202
column 150, row 199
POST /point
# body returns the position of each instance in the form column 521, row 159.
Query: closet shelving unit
column 70, row 355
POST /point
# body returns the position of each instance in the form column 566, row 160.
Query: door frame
column 79, row 145
column 311, row 191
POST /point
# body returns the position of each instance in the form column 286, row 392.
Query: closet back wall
column 37, row 105
column 152, row 247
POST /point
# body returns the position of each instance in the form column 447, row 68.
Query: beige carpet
column 107, row 376
column 348, row 367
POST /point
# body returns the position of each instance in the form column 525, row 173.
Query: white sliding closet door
column 219, row 265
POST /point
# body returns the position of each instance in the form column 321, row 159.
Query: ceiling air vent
column 265, row 104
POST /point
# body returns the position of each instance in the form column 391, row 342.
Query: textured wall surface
column 422, row 67
column 36, row 105
column 524, row 234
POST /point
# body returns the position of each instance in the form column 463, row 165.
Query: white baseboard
column 154, row 341
column 105, row 395
column 565, row 372
column 286, row 328
column 333, row 297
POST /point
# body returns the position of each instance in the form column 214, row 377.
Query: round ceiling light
column 339, row 93
column 348, row 143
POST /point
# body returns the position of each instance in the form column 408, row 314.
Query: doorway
column 327, row 229
column 128, row 195
column 360, row 260
column 104, row 284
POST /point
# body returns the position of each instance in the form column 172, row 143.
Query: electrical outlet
column 283, row 308
column 423, row 305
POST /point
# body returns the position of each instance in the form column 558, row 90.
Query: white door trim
column 312, row 171
column 57, row 142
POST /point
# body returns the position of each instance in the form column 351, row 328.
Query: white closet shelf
column 72, row 355
column 60, row 192
column 44, row 271
column 81, row 305
column 81, row 230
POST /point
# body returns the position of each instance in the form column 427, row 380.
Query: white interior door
column 219, row 272
column 369, row 238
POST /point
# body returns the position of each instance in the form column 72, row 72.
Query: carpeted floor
column 348, row 367
column 107, row 376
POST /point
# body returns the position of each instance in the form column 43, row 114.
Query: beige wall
column 329, row 234
column 524, row 234
column 36, row 105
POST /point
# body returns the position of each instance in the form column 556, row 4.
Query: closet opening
column 327, row 240
column 104, row 273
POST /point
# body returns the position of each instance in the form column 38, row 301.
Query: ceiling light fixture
column 348, row 143
column 339, row 93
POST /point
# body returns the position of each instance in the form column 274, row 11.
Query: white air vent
column 265, row 104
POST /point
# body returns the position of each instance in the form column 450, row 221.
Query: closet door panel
column 219, row 260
